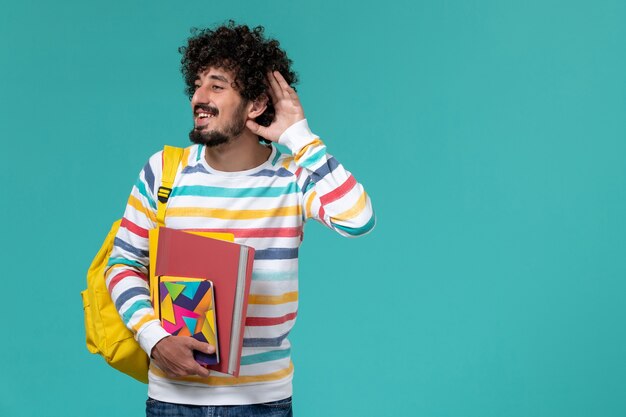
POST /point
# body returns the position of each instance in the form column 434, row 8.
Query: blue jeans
column 280, row 408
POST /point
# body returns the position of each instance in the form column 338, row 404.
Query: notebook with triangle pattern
column 187, row 308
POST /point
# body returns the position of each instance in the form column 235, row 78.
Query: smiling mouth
column 203, row 114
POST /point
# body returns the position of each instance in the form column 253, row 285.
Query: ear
column 257, row 106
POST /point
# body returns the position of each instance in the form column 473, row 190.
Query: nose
column 201, row 95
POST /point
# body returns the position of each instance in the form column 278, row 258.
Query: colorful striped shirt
column 264, row 207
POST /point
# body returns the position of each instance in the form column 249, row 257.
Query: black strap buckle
column 164, row 194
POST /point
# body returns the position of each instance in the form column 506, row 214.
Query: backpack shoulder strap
column 171, row 159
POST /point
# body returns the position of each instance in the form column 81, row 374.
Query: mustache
column 207, row 108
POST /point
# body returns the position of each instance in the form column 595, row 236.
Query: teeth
column 203, row 115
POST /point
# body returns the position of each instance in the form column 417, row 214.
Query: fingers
column 285, row 87
column 201, row 346
column 279, row 87
column 256, row 128
column 186, row 367
column 196, row 368
column 281, row 81
column 200, row 371
column 174, row 355
column 192, row 368
column 274, row 90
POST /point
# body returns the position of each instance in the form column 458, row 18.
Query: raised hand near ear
column 286, row 104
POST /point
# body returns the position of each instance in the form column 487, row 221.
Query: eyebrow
column 219, row 78
column 213, row 77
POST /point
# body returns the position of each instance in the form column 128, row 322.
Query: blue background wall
column 491, row 136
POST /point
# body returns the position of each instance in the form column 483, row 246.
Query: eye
column 217, row 87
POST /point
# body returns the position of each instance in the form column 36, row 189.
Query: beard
column 216, row 137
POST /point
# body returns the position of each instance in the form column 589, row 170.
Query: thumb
column 201, row 346
column 256, row 128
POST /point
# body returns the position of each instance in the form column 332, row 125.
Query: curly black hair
column 243, row 51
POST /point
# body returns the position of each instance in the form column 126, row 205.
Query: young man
column 232, row 179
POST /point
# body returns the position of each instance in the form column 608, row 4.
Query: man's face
column 219, row 111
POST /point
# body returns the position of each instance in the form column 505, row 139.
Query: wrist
column 297, row 136
column 150, row 335
column 156, row 346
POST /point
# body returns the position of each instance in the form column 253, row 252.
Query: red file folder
column 229, row 266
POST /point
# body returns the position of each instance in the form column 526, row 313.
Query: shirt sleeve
column 331, row 194
column 127, row 274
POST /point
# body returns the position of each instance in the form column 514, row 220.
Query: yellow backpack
column 106, row 333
